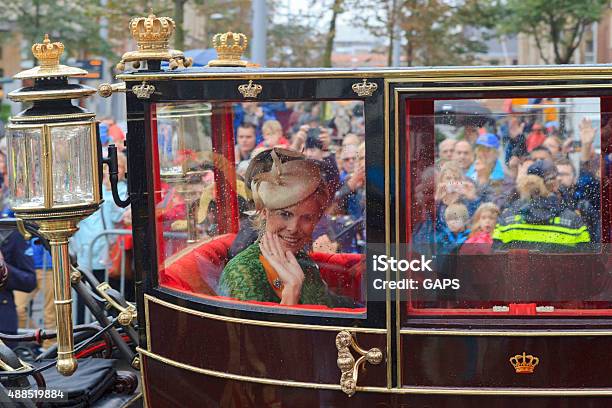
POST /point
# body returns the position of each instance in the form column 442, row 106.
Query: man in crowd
column 579, row 194
column 445, row 150
column 245, row 138
column 541, row 153
column 537, row 221
column 536, row 137
column 463, row 154
column 348, row 158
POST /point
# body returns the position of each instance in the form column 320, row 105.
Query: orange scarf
column 272, row 276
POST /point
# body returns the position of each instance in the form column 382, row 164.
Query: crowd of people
column 524, row 185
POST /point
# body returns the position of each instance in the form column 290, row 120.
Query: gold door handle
column 105, row 90
column 347, row 364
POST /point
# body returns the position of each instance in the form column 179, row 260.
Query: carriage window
column 510, row 203
column 262, row 205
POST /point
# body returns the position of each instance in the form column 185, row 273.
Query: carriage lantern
column 54, row 170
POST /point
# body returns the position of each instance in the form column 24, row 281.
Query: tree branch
column 539, row 45
column 572, row 48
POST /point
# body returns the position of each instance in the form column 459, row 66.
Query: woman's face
column 294, row 225
column 487, row 221
column 480, row 166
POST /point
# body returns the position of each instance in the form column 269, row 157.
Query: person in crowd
column 445, row 150
column 487, row 188
column 255, row 113
column 17, row 264
column 554, row 146
column 513, row 137
column 351, row 139
column 260, row 163
column 536, row 136
column 246, row 136
column 348, row 158
column 470, row 133
column 452, row 188
column 538, row 222
column 44, row 283
column 290, row 200
column 566, row 176
column 272, row 132
column 580, row 194
column 548, row 172
column 351, row 195
column 517, row 168
column 541, row 153
column 483, row 225
column 552, row 128
column 487, row 151
column 115, row 133
column 313, row 148
column 463, row 155
column 455, row 232
column 589, row 161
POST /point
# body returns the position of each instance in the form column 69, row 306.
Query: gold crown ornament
column 524, row 363
column 230, row 47
column 250, row 90
column 364, row 88
column 48, row 56
column 152, row 35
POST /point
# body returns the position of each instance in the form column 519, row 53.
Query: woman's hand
column 289, row 270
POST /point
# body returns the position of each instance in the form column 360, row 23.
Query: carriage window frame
column 321, row 89
column 411, row 100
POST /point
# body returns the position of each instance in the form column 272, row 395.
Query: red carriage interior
column 197, row 270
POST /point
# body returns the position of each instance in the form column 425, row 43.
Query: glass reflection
column 25, row 158
column 247, row 189
column 507, row 196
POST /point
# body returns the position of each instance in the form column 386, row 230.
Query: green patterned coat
column 244, row 278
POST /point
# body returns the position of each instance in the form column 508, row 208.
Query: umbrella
column 460, row 112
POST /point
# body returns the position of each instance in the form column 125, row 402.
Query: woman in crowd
column 453, row 187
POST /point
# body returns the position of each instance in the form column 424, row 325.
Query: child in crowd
column 453, row 187
column 456, row 231
column 483, row 224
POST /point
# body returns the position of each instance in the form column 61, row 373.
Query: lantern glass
column 25, row 161
column 72, row 164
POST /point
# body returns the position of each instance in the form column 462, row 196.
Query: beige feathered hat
column 286, row 184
